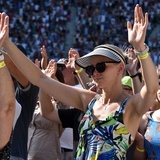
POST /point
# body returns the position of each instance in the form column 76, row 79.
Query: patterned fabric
column 103, row 140
column 152, row 139
column 5, row 153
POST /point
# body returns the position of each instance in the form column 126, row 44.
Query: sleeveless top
column 152, row 139
column 43, row 140
column 103, row 140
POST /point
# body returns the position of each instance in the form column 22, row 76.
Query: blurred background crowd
column 80, row 24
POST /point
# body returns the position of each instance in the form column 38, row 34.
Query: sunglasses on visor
column 100, row 67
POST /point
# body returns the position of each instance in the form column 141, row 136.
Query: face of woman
column 103, row 70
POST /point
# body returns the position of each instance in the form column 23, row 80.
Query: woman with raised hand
column 7, row 110
column 110, row 117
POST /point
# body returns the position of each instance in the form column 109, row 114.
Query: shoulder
column 30, row 87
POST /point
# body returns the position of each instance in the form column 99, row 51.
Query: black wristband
column 135, row 75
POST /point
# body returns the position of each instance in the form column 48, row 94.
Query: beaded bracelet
column 2, row 64
column 140, row 150
column 140, row 53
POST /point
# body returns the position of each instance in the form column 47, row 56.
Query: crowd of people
column 100, row 93
column 100, row 22
column 35, row 23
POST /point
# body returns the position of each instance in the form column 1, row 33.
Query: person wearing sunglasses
column 109, row 119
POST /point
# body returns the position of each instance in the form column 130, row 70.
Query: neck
column 111, row 97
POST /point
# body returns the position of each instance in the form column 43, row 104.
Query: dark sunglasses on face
column 100, row 67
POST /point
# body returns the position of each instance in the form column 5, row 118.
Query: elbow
column 39, row 80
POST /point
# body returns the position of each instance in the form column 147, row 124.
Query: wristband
column 140, row 150
column 79, row 71
column 135, row 75
column 144, row 56
column 138, row 53
column 2, row 64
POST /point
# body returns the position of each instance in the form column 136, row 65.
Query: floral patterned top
column 103, row 140
column 152, row 139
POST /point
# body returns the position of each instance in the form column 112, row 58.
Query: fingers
column 73, row 52
column 52, row 67
column 136, row 15
column 4, row 20
column 43, row 51
column 139, row 16
column 129, row 26
column 37, row 63
column 146, row 19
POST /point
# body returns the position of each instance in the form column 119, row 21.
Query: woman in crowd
column 44, row 134
column 148, row 139
column 7, row 110
column 109, row 119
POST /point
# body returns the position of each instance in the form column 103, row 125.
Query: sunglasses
column 100, row 67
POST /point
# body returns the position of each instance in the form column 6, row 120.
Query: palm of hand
column 51, row 69
column 136, row 35
column 4, row 31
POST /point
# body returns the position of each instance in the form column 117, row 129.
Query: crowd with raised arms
column 114, row 94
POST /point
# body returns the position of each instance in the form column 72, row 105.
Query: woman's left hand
column 137, row 32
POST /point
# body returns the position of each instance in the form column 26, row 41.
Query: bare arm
column 140, row 103
column 131, row 68
column 71, row 96
column 15, row 72
column 7, row 106
column 49, row 108
column 136, row 36
column 139, row 152
column 44, row 60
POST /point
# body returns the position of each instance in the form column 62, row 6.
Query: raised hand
column 4, row 30
column 51, row 69
column 37, row 63
column 44, row 52
column 44, row 60
column 72, row 56
column 132, row 61
column 137, row 32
